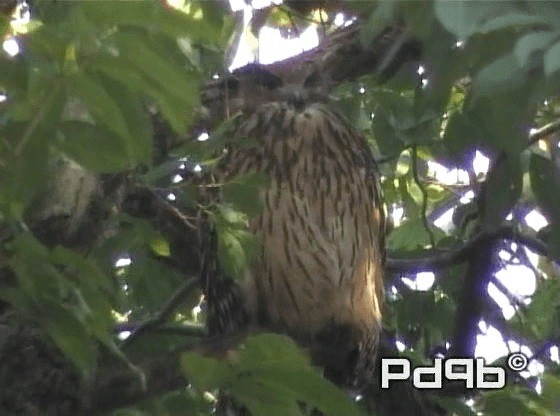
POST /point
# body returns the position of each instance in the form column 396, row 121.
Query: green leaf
column 174, row 103
column 160, row 175
column 502, row 190
column 385, row 137
column 151, row 282
column 129, row 412
column 467, row 18
column 243, row 192
column 403, row 164
column 160, row 246
column 146, row 58
column 272, row 375
column 13, row 75
column 532, row 44
column 377, row 21
column 498, row 75
column 177, row 110
column 139, row 139
column 214, row 26
column 223, row 135
column 456, row 406
column 35, row 274
column 23, row 176
column 189, row 195
column 543, row 313
column 395, row 123
column 111, row 151
column 99, row 102
column 550, row 389
column 502, row 126
column 185, row 403
column 511, row 20
column 69, row 334
column 143, row 54
column 513, row 400
column 275, row 362
column 552, row 59
column 118, row 70
column 411, row 235
column 418, row 18
column 153, row 16
column 407, row 309
column 205, row 373
column 554, row 242
column 261, row 352
column 70, row 302
column 4, row 23
column 460, row 17
column 88, row 271
column 410, row 204
column 237, row 247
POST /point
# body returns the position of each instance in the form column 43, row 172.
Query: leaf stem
column 424, row 195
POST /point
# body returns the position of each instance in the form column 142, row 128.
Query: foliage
column 270, row 375
column 92, row 74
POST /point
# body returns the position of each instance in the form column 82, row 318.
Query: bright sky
column 260, row 50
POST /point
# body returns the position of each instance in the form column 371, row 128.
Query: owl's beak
column 298, row 100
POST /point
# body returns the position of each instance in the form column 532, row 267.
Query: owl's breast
column 320, row 263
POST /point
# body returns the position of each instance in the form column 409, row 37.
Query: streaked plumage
column 319, row 276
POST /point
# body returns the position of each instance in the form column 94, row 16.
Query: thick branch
column 463, row 253
column 480, row 269
column 341, row 57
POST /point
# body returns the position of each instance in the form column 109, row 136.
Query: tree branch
column 341, row 57
column 544, row 132
column 164, row 313
column 463, row 253
column 473, row 296
column 192, row 330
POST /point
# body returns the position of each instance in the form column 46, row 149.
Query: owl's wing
column 224, row 307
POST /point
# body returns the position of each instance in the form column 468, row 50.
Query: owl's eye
column 312, row 80
column 269, row 81
column 260, row 76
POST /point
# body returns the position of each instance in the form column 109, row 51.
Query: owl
column 318, row 274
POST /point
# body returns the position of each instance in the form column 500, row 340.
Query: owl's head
column 255, row 85
column 258, row 85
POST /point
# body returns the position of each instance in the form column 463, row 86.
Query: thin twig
column 185, row 219
column 544, row 348
column 193, row 330
column 387, row 159
column 424, row 196
column 389, row 57
column 544, row 132
column 164, row 313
